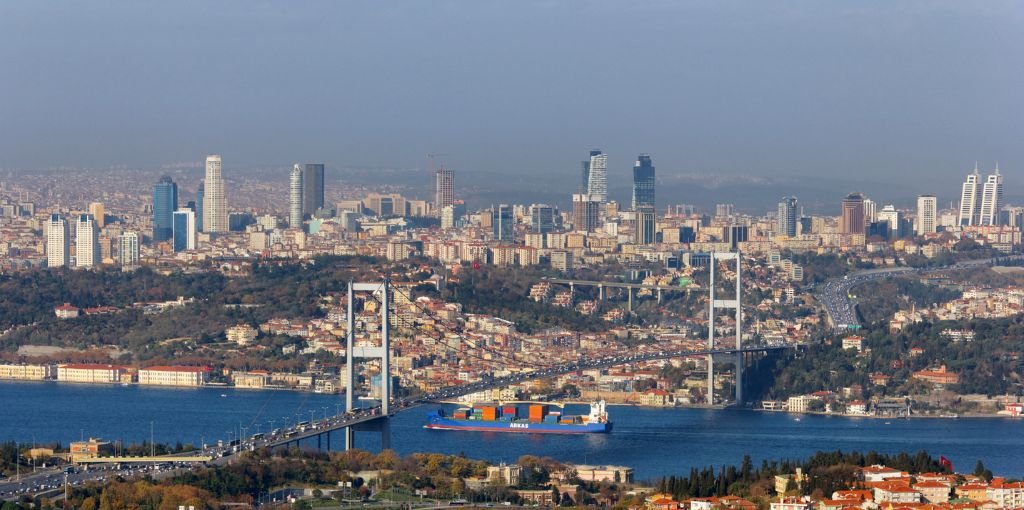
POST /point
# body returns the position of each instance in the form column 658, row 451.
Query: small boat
column 796, row 419
column 223, row 395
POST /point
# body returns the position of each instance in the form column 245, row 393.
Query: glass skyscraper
column 312, row 189
column 643, row 182
column 503, row 222
column 787, row 217
column 165, row 202
column 184, row 230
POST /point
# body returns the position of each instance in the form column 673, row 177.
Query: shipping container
column 490, row 414
column 510, row 411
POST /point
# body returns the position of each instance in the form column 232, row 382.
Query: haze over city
column 886, row 93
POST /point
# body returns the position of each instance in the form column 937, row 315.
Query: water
column 652, row 441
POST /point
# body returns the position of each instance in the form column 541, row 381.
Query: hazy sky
column 887, row 90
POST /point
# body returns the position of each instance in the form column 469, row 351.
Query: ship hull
column 520, row 427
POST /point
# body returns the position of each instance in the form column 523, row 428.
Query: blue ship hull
column 438, row 422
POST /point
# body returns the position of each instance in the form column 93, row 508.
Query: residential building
column 200, row 196
column 58, row 242
column 165, row 202
column 215, row 206
column 586, row 213
column 656, row 398
column 787, row 217
column 87, row 242
column 295, row 202
column 242, row 334
column 444, row 188
column 128, row 249
column 97, row 212
column 504, row 474
column 312, row 188
column 643, row 182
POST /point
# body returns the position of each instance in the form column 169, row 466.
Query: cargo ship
column 539, row 419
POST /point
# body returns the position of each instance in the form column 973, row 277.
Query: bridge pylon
column 382, row 353
column 734, row 304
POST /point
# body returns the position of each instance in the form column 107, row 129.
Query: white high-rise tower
column 927, row 210
column 87, row 242
column 295, row 198
column 991, row 199
column 215, row 206
column 970, row 200
column 58, row 242
column 597, row 184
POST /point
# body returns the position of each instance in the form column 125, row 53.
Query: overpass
column 631, row 288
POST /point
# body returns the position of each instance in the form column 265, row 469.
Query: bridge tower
column 734, row 304
column 383, row 353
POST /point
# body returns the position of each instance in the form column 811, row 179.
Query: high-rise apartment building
column 200, row 195
column 444, row 188
column 503, row 221
column 597, row 183
column 970, row 200
column 852, row 221
column 585, row 212
column 87, row 242
column 295, row 202
column 58, row 242
column 312, row 188
column 128, row 249
column 542, row 218
column 643, row 182
column 724, row 210
column 787, row 217
column 927, row 212
column 890, row 215
column 645, row 224
column 870, row 211
column 165, row 202
column 215, row 206
column 184, row 230
column 992, row 199
column 97, row 212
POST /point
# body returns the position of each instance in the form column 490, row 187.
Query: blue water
column 652, row 441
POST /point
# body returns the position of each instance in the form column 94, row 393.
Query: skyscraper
column 992, row 199
column 444, row 189
column 643, row 182
column 970, row 200
column 312, row 188
column 58, row 242
column 597, row 182
column 787, row 217
column 585, row 212
column 129, row 249
column 200, row 195
column 542, row 218
column 87, row 242
column 184, row 230
column 890, row 215
column 215, row 206
column 165, row 202
column 927, row 210
column 295, row 202
column 852, row 214
column 870, row 211
column 503, row 221
column 645, row 224
column 96, row 210
column 586, row 175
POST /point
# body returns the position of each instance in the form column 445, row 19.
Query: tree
column 556, row 497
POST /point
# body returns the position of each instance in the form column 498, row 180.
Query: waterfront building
column 852, row 221
column 444, row 188
column 991, row 199
column 295, row 202
column 94, row 447
column 128, row 251
column 28, row 372
column 215, row 207
column 927, row 210
column 87, row 242
column 173, row 376
column 787, row 217
column 165, row 202
column 256, row 379
column 643, row 182
column 312, row 188
column 97, row 212
column 92, row 373
column 504, row 474
column 184, row 230
column 588, row 473
column 58, row 242
column 503, row 223
column 597, row 177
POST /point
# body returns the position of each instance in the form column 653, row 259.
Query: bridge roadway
column 618, row 285
column 842, row 311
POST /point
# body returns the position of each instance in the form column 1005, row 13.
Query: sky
column 908, row 92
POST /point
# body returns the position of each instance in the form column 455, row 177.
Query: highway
column 834, row 295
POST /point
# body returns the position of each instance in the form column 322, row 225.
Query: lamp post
column 152, row 445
